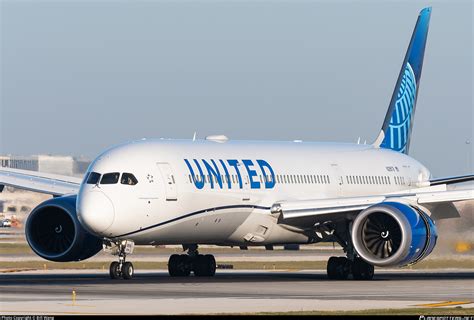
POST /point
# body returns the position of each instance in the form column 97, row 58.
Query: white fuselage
column 169, row 205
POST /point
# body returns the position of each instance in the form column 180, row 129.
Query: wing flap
column 445, row 196
column 307, row 208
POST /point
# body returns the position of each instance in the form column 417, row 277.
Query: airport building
column 64, row 165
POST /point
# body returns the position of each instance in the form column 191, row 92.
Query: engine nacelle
column 393, row 234
column 54, row 232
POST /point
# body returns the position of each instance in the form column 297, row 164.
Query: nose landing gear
column 125, row 271
column 182, row 265
column 120, row 269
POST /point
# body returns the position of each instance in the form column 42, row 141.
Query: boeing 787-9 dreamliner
column 374, row 200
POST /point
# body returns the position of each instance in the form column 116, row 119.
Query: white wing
column 53, row 184
column 437, row 199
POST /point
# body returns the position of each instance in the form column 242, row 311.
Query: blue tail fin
column 398, row 123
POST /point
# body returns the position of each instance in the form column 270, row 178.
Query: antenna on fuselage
column 194, row 136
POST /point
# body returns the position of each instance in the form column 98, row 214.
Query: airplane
column 378, row 203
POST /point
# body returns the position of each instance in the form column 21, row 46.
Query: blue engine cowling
column 54, row 232
column 393, row 234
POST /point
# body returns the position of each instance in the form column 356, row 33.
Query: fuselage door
column 169, row 181
column 339, row 175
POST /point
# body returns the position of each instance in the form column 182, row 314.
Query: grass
column 443, row 263
column 149, row 265
column 237, row 265
column 24, row 248
column 456, row 311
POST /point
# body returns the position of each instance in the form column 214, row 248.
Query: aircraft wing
column 56, row 185
column 451, row 180
column 439, row 199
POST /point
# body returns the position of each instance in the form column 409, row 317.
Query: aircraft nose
column 95, row 211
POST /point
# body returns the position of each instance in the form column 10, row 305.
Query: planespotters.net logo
column 447, row 318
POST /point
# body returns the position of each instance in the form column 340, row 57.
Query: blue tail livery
column 397, row 126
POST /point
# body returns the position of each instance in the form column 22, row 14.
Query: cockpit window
column 93, row 178
column 110, row 178
column 128, row 178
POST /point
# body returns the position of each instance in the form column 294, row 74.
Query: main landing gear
column 121, row 269
column 181, row 265
column 341, row 268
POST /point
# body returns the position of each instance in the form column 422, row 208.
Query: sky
column 80, row 76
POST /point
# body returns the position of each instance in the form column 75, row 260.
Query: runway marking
column 444, row 304
column 79, row 305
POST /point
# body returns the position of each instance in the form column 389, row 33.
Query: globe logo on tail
column 398, row 131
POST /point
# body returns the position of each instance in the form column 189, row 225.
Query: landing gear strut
column 121, row 268
column 340, row 268
column 201, row 265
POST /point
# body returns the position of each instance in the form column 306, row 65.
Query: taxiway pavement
column 230, row 291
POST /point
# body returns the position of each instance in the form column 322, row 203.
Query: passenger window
column 93, row 178
column 110, row 178
column 129, row 179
